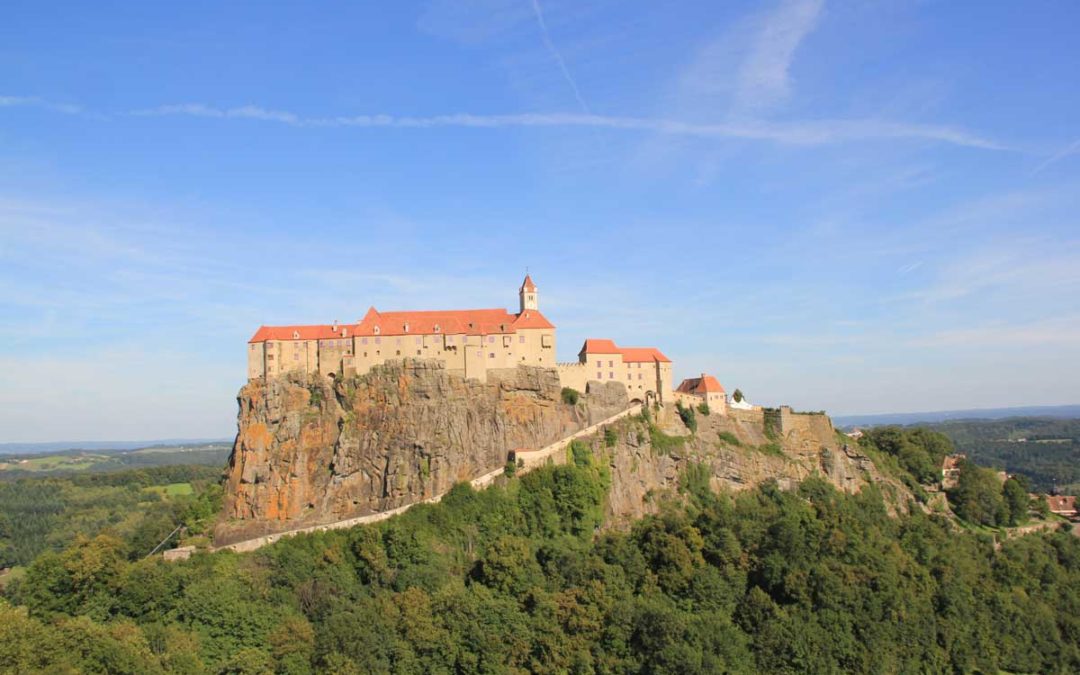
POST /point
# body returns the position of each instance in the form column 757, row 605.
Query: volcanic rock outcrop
column 313, row 450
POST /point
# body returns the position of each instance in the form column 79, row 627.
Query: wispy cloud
column 36, row 102
column 1070, row 149
column 556, row 55
column 816, row 132
column 763, row 78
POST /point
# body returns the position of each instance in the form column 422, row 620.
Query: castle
column 470, row 342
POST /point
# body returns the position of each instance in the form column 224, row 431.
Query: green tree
column 1016, row 501
column 977, row 496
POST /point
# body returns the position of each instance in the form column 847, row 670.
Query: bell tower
column 528, row 295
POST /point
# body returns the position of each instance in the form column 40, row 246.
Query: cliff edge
column 312, row 450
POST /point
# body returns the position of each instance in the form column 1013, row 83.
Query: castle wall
column 817, row 424
column 468, row 355
column 755, row 417
column 573, row 375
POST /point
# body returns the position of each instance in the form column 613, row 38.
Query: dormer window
column 296, row 335
column 344, row 332
column 437, row 329
column 376, row 329
column 406, row 326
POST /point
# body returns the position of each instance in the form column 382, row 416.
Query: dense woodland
column 524, row 578
column 39, row 514
column 1046, row 450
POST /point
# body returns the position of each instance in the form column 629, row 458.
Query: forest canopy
column 520, row 577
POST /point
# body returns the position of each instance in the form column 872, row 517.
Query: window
column 363, row 341
column 397, row 353
column 378, row 340
column 521, row 339
column 449, row 339
column 270, row 357
column 295, row 357
column 611, row 376
column 610, row 364
column 639, row 376
column 399, row 341
column 418, row 352
column 419, row 340
column 491, row 355
column 437, row 329
column 365, row 355
column 491, row 338
column 599, row 376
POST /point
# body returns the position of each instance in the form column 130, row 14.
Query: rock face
column 310, row 450
column 738, row 453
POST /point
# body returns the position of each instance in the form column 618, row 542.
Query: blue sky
column 857, row 206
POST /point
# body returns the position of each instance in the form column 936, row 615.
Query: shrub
column 737, row 396
column 581, row 454
column 687, row 415
column 610, row 437
column 662, row 443
column 570, row 396
column 703, row 408
column 510, row 469
column 645, row 416
column 771, row 448
column 729, row 438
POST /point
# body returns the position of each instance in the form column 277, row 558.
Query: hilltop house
column 1062, row 505
column 706, row 389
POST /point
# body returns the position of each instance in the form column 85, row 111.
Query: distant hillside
column 104, row 446
column 68, row 462
column 1057, row 411
column 1045, row 449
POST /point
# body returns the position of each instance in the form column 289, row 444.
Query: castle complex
column 470, row 342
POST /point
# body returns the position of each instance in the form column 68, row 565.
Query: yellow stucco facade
column 468, row 342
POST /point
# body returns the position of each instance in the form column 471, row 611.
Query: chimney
column 335, row 325
column 344, row 332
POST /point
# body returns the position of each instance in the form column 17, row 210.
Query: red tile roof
column 528, row 284
column 629, row 354
column 1061, row 503
column 325, row 332
column 453, row 322
column 635, row 354
column 593, row 346
column 706, row 384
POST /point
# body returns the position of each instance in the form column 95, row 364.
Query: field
column 66, row 462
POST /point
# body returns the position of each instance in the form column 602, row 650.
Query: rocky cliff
column 311, row 450
column 738, row 451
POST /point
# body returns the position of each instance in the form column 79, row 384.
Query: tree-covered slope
column 517, row 579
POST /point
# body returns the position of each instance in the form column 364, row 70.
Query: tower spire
column 528, row 295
